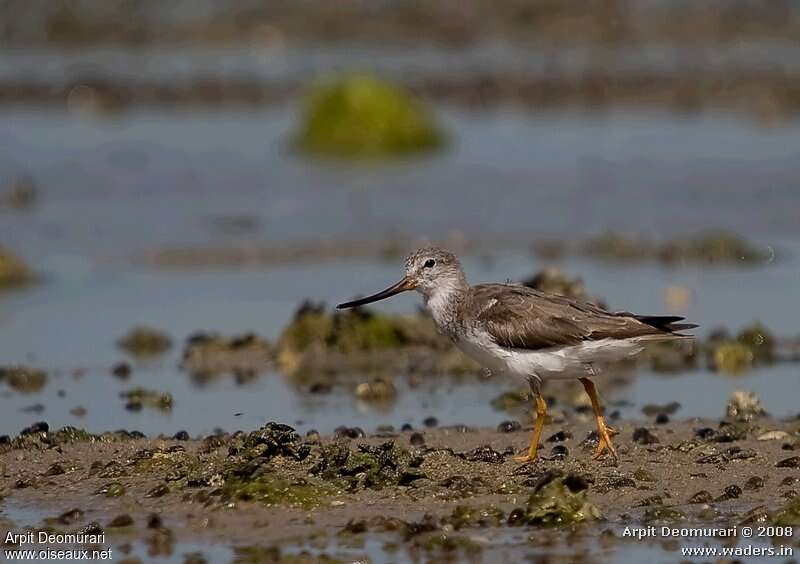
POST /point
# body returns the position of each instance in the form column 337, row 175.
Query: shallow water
column 507, row 544
column 153, row 180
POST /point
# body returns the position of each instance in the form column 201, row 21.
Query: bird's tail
column 666, row 323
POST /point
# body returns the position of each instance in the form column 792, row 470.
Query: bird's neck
column 445, row 302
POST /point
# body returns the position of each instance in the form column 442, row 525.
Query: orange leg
column 604, row 432
column 541, row 412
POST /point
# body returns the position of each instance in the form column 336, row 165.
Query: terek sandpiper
column 521, row 331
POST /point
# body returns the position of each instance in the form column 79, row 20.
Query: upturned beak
column 404, row 285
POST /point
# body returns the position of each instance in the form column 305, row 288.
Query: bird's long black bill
column 403, row 286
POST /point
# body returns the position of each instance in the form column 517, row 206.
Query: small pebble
column 121, row 370
column 559, row 437
column 662, row 419
column 509, row 426
column 703, row 496
column 417, row 439
column 643, row 436
column 121, row 521
column 791, row 462
column 406, row 427
column 516, row 517
column 754, row 483
column 559, row 452
column 430, row 422
column 181, row 436
column 39, row 427
column 350, row 432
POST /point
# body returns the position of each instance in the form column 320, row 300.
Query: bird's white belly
column 554, row 362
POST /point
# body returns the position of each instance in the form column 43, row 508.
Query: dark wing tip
column 668, row 323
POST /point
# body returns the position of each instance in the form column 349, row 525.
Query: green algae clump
column 759, row 340
column 138, row 398
column 13, row 272
column 314, row 330
column 23, row 379
column 271, row 490
column 788, row 515
column 144, row 341
column 559, row 501
column 732, row 358
column 372, row 467
column 364, row 116
column 714, row 247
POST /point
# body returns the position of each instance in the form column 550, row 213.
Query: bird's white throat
column 440, row 301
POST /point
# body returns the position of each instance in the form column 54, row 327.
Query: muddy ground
column 273, row 488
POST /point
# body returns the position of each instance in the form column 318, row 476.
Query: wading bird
column 527, row 333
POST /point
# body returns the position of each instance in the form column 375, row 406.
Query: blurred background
column 208, row 166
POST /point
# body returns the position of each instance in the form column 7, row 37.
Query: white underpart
column 546, row 364
column 438, row 300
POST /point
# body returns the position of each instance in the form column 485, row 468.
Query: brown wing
column 521, row 317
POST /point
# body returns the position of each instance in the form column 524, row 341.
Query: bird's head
column 429, row 270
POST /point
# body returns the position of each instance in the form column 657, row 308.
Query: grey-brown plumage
column 525, row 332
column 521, row 317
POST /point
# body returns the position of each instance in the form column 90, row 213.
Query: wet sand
column 682, row 472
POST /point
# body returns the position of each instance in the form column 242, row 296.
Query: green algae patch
column 559, row 501
column 138, row 398
column 23, row 379
column 364, row 116
column 144, row 341
column 207, row 355
column 13, row 271
column 464, row 516
column 759, row 340
column 788, row 515
column 713, row 247
column 512, row 400
column 372, row 467
column 272, row 490
column 314, row 332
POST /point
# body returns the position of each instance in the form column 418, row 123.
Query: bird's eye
column 430, row 263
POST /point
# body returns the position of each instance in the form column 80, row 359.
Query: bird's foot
column 603, row 445
column 524, row 459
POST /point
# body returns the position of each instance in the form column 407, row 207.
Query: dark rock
column 754, row 483
column 430, row 422
column 643, row 436
column 121, row 370
column 320, row 388
column 484, row 454
column 516, row 518
column 791, row 462
column 703, row 496
column 349, row 432
column 181, row 436
column 55, row 470
column 559, row 436
column 121, row 521
column 355, row 527
column 417, row 439
column 39, row 427
column 159, row 490
column 154, row 521
column 730, row 492
column 509, row 427
column 662, row 419
column 559, row 452
column 705, row 433
column 406, row 427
